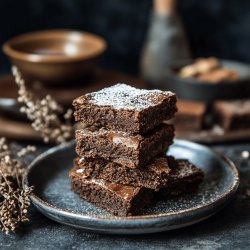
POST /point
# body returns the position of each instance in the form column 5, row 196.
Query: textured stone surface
column 229, row 229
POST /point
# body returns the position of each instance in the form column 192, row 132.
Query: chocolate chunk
column 125, row 108
column 120, row 147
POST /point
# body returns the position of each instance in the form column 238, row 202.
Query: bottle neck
column 164, row 7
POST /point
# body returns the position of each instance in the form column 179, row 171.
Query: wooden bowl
column 196, row 90
column 55, row 56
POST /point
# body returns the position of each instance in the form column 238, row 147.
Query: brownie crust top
column 124, row 97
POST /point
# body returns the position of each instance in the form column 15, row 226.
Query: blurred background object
column 190, row 115
column 124, row 25
column 166, row 42
column 55, row 57
column 145, row 37
column 184, row 78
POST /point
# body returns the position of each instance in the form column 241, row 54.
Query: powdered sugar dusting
column 123, row 96
column 79, row 171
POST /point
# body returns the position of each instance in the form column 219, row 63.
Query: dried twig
column 49, row 119
column 14, row 200
column 45, row 114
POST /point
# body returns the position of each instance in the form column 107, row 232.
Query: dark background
column 216, row 27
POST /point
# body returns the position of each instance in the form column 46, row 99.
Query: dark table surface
column 229, row 229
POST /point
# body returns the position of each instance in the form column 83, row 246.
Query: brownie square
column 121, row 200
column 190, row 115
column 185, row 177
column 125, row 108
column 123, row 148
column 153, row 176
column 233, row 115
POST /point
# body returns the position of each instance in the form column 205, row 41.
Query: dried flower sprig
column 45, row 114
column 14, row 200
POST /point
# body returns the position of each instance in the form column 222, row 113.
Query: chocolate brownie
column 233, row 115
column 125, row 108
column 153, row 176
column 120, row 147
column 121, row 200
column 190, row 115
column 185, row 177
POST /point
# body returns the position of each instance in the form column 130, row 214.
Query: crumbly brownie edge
column 92, row 146
column 125, row 120
column 100, row 198
column 143, row 177
column 182, row 184
column 185, row 187
column 108, row 200
column 132, row 121
column 153, row 116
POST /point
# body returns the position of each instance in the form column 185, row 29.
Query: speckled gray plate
column 52, row 195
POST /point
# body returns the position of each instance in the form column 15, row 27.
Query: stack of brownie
column 122, row 160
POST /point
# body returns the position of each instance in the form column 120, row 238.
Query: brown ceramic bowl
column 55, row 56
